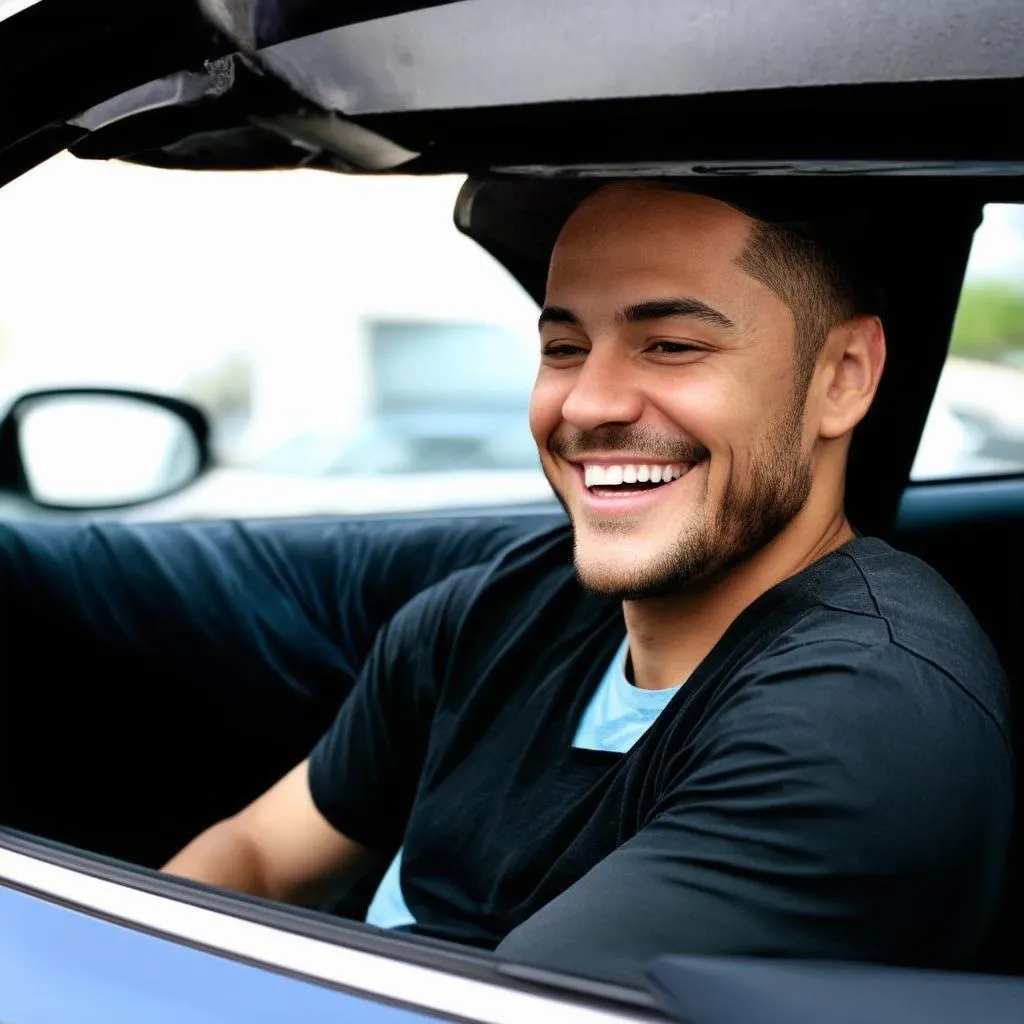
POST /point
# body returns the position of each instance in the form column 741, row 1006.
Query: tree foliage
column 989, row 320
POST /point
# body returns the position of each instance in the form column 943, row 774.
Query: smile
column 620, row 477
column 623, row 488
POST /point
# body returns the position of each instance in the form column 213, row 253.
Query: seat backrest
column 983, row 559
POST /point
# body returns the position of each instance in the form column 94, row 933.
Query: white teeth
column 616, row 476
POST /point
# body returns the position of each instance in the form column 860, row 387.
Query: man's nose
column 603, row 392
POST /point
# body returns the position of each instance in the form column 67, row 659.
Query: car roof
column 490, row 53
column 765, row 85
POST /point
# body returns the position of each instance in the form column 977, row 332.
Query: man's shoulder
column 837, row 687
column 921, row 611
column 869, row 575
column 904, row 619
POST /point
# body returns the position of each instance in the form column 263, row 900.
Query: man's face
column 662, row 360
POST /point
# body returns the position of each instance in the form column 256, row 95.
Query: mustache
column 574, row 445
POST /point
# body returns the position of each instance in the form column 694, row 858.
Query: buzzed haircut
column 812, row 273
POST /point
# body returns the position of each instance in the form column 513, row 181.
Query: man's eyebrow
column 557, row 315
column 661, row 309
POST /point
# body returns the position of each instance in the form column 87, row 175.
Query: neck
column 664, row 655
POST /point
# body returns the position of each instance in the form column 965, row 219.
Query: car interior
column 138, row 676
column 135, row 716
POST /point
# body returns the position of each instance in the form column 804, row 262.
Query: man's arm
column 353, row 793
column 860, row 812
column 280, row 847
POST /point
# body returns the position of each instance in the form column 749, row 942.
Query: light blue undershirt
column 617, row 716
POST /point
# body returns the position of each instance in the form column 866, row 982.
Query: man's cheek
column 545, row 406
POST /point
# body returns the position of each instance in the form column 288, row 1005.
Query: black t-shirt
column 834, row 779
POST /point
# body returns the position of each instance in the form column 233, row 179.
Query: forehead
column 645, row 229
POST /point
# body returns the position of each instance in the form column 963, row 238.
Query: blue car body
column 59, row 965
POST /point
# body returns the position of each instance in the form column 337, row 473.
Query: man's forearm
column 224, row 856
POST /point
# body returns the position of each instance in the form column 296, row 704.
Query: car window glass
column 976, row 423
column 354, row 351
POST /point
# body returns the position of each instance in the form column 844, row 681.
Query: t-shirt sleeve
column 364, row 772
column 856, row 807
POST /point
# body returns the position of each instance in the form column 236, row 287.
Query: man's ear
column 852, row 364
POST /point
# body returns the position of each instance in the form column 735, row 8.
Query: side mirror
column 91, row 449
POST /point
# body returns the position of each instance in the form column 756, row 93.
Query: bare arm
column 280, row 847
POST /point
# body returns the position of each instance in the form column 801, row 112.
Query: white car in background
column 976, row 423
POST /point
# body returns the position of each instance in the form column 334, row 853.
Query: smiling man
column 708, row 718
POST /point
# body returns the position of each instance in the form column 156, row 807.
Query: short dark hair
column 813, row 273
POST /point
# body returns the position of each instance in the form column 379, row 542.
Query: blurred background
column 354, row 352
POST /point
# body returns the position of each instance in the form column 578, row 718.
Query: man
column 711, row 719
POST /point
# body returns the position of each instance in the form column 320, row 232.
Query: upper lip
column 625, row 460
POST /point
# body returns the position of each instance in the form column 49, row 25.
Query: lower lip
column 628, row 502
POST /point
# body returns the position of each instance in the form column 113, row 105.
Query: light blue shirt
column 619, row 713
column 617, row 716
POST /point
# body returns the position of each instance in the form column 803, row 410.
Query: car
column 108, row 659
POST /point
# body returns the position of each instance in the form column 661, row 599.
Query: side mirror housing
column 92, row 449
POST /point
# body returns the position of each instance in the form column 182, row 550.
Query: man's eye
column 562, row 350
column 672, row 347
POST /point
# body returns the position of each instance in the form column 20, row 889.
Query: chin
column 625, row 575
column 624, row 568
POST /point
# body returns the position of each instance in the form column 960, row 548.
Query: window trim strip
column 412, row 985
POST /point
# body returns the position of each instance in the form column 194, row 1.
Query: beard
column 753, row 511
